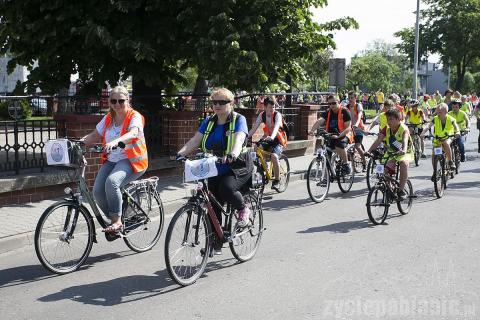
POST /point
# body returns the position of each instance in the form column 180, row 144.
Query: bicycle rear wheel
column 345, row 181
column 284, row 167
column 187, row 245
column 318, row 179
column 64, row 237
column 416, row 145
column 438, row 177
column 377, row 204
column 142, row 229
column 405, row 205
column 372, row 177
column 246, row 240
column 457, row 155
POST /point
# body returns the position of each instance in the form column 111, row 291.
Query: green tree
column 371, row 72
column 246, row 44
column 316, row 70
column 449, row 28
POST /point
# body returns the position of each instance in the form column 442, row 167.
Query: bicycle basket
column 62, row 152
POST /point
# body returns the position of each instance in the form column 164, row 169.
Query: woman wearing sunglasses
column 119, row 166
column 224, row 135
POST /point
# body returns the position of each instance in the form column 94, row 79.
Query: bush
column 27, row 110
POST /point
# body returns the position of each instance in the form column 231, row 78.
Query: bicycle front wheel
column 143, row 228
column 245, row 241
column 318, row 179
column 284, row 167
column 377, row 204
column 416, row 145
column 405, row 205
column 187, row 245
column 64, row 237
column 438, row 177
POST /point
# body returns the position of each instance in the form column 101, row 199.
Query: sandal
column 113, row 228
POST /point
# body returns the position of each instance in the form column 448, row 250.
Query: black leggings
column 226, row 189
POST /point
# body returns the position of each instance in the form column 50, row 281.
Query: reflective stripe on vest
column 230, row 137
column 448, row 130
column 135, row 149
column 281, row 135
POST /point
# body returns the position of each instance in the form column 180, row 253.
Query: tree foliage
column 372, row 72
column 449, row 28
column 245, row 44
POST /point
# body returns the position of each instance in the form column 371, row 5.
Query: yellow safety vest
column 447, row 130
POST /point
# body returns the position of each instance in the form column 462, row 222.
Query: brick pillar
column 251, row 116
column 181, row 127
column 78, row 126
column 308, row 116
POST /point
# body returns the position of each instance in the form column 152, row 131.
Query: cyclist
column 356, row 112
column 416, row 117
column 224, row 135
column 119, row 166
column 396, row 139
column 466, row 106
column 381, row 119
column 477, row 115
column 443, row 125
column 463, row 123
column 337, row 120
column 274, row 131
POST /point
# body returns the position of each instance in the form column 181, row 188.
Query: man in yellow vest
column 463, row 123
column 444, row 126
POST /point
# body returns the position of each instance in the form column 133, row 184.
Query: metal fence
column 22, row 143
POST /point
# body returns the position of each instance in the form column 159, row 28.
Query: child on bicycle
column 274, row 131
column 396, row 139
column 416, row 118
column 444, row 126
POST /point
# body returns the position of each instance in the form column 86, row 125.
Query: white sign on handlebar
column 380, row 169
column 437, row 151
column 200, row 169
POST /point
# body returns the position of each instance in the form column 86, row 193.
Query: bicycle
column 385, row 192
column 67, row 226
column 325, row 168
column 417, row 152
column 441, row 168
column 262, row 162
column 194, row 229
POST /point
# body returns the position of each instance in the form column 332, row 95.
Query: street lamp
column 415, row 54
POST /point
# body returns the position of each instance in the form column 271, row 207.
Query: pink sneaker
column 243, row 217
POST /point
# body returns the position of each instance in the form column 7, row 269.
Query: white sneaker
column 243, row 216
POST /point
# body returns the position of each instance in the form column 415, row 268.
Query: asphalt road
column 316, row 261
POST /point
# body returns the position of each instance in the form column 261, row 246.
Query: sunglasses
column 120, row 101
column 220, row 102
column 332, row 103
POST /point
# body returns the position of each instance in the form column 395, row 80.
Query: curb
column 23, row 240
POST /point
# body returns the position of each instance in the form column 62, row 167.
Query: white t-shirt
column 269, row 124
column 113, row 132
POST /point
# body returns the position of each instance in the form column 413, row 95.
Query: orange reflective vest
column 135, row 149
column 355, row 109
column 341, row 123
column 281, row 134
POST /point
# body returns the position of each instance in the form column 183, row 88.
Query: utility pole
column 415, row 54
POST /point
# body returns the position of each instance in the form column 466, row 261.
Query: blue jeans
column 461, row 146
column 110, row 178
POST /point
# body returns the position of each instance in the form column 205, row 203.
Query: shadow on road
column 31, row 273
column 286, row 204
column 127, row 289
column 116, row 291
column 341, row 227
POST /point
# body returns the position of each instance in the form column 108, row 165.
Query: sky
column 377, row 19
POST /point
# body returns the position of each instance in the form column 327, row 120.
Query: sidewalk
column 19, row 221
